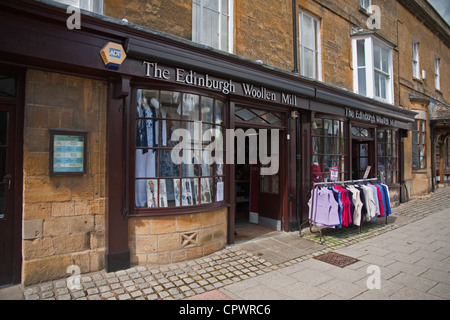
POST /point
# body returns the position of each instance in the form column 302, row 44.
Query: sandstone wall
column 63, row 216
column 169, row 239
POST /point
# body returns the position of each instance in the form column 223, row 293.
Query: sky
column 443, row 7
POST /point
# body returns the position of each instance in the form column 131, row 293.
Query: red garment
column 316, row 173
column 346, row 204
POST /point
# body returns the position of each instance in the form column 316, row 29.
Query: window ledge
column 382, row 100
column 364, row 10
column 417, row 80
column 182, row 210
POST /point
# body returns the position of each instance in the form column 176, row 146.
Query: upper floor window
column 373, row 71
column 89, row 5
column 212, row 23
column 365, row 4
column 437, row 77
column 310, row 65
column 415, row 59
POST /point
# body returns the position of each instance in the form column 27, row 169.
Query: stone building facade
column 296, row 67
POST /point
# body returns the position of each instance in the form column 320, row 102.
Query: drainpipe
column 294, row 26
column 433, row 155
column 297, row 171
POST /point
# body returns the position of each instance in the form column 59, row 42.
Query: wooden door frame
column 283, row 179
column 17, row 185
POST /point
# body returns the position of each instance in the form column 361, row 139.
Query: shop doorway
column 258, row 196
column 363, row 153
column 10, row 182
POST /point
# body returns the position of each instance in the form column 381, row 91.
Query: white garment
column 145, row 168
column 356, row 200
column 370, row 203
column 146, row 161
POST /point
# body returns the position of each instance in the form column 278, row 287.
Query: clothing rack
column 315, row 184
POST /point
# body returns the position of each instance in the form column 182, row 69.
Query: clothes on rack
column 343, row 205
column 323, row 207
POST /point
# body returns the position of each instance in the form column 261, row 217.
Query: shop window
column 7, row 86
column 328, row 149
column 373, row 72
column 89, row 5
column 258, row 116
column 447, row 155
column 166, row 176
column 388, row 156
column 309, row 37
column 415, row 59
column 362, row 132
column 212, row 23
column 418, row 145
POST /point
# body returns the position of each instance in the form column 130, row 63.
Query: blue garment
column 386, row 200
column 341, row 205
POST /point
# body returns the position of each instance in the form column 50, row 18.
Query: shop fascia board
column 220, row 64
column 144, row 43
column 367, row 105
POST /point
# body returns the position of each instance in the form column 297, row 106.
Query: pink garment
column 346, row 203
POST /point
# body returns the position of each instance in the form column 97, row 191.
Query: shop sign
column 334, row 173
column 113, row 55
column 206, row 81
column 370, row 117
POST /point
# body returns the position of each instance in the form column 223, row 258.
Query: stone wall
column 63, row 216
column 169, row 239
column 169, row 16
column 263, row 31
column 419, row 182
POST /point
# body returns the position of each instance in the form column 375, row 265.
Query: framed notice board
column 67, row 152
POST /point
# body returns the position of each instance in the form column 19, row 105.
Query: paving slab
column 412, row 253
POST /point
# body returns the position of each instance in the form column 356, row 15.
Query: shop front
column 349, row 144
column 207, row 153
column 140, row 148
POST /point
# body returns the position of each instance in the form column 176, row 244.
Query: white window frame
column 437, row 72
column 415, row 59
column 95, row 6
column 369, row 44
column 365, row 4
column 317, row 67
column 198, row 7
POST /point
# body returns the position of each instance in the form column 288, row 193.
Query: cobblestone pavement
column 226, row 267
